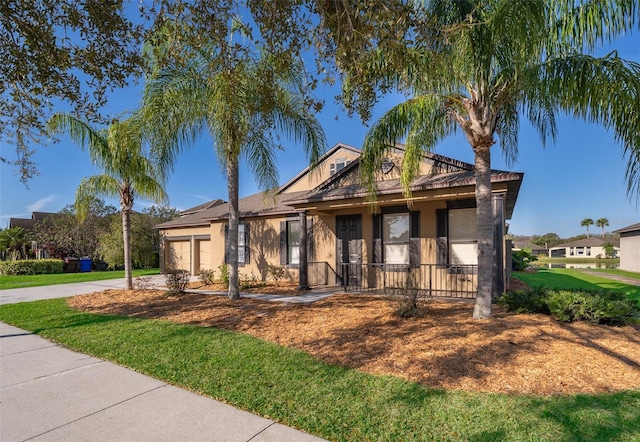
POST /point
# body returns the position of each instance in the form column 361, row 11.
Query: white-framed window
column 396, row 237
column 338, row 165
column 293, row 242
column 463, row 237
column 241, row 243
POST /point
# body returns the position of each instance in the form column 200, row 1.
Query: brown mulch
column 446, row 348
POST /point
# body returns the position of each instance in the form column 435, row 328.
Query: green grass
column 570, row 279
column 333, row 402
column 625, row 273
column 22, row 281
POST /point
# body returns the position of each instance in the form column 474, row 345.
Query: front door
column 349, row 249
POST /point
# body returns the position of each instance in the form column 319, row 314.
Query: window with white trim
column 463, row 238
column 338, row 165
column 396, row 237
column 293, row 242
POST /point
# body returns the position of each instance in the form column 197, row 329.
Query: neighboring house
column 321, row 217
column 583, row 248
column 536, row 250
column 630, row 247
column 28, row 224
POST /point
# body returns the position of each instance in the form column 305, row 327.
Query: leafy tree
column 64, row 235
column 54, row 51
column 246, row 101
column 480, row 66
column 145, row 239
column 547, row 240
column 127, row 172
column 602, row 223
column 609, row 250
column 586, row 223
column 14, row 241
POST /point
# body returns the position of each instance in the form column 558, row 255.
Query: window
column 395, row 238
column 293, row 242
column 463, row 239
column 243, row 242
column 338, row 165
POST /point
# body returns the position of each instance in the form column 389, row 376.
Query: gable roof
column 452, row 173
column 527, row 244
column 29, row 223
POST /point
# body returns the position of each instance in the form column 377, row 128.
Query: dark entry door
column 349, row 249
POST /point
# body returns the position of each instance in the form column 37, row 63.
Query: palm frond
column 95, row 186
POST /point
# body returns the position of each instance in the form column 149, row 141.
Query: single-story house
column 321, row 217
column 630, row 247
column 536, row 250
column 583, row 248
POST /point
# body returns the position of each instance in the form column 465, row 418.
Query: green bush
column 177, row 281
column 31, row 267
column 526, row 301
column 224, row 274
column 597, row 306
column 522, row 259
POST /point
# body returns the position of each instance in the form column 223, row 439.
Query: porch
column 431, row 280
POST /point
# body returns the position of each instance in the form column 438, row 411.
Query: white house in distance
column 630, row 247
column 582, row 248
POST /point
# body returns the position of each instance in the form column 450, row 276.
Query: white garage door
column 179, row 256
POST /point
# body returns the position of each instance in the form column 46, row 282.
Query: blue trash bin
column 85, row 264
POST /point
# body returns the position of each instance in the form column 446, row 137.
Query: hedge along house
column 321, row 222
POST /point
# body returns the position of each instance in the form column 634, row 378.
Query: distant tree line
column 98, row 236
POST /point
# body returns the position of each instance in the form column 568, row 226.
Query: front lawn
column 570, row 279
column 22, row 281
column 334, row 402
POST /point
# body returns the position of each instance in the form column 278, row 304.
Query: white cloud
column 42, row 202
column 16, row 215
column 202, row 197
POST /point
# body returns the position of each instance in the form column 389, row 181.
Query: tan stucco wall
column 630, row 253
column 321, row 173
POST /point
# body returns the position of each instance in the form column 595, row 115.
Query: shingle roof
column 587, row 242
column 631, row 228
column 254, row 205
column 29, row 223
column 201, row 207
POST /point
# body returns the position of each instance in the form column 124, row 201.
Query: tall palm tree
column 479, row 66
column 126, row 171
column 586, row 223
column 602, row 223
column 245, row 103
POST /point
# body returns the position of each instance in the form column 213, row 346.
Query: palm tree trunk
column 233, row 184
column 484, row 221
column 126, row 235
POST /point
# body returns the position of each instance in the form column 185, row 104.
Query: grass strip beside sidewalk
column 24, row 281
column 333, row 402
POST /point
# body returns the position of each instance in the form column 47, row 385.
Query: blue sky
column 581, row 175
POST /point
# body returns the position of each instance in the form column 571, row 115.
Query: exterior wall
column 630, row 251
column 572, row 252
column 322, row 172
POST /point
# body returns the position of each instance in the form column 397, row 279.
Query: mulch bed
column 446, row 348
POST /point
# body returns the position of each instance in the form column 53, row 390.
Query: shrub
column 249, row 281
column 224, row 274
column 276, row 273
column 143, row 283
column 31, row 267
column 206, row 276
column 407, row 298
column 526, row 301
column 597, row 306
column 177, row 281
column 521, row 259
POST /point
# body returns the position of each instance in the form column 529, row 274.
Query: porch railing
column 451, row 281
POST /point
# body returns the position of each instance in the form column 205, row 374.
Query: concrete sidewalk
column 49, row 393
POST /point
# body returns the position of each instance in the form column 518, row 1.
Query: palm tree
column 602, row 223
column 245, row 104
column 126, row 171
column 14, row 240
column 480, row 66
column 586, row 223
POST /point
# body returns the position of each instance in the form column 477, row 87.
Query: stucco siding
column 630, row 252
